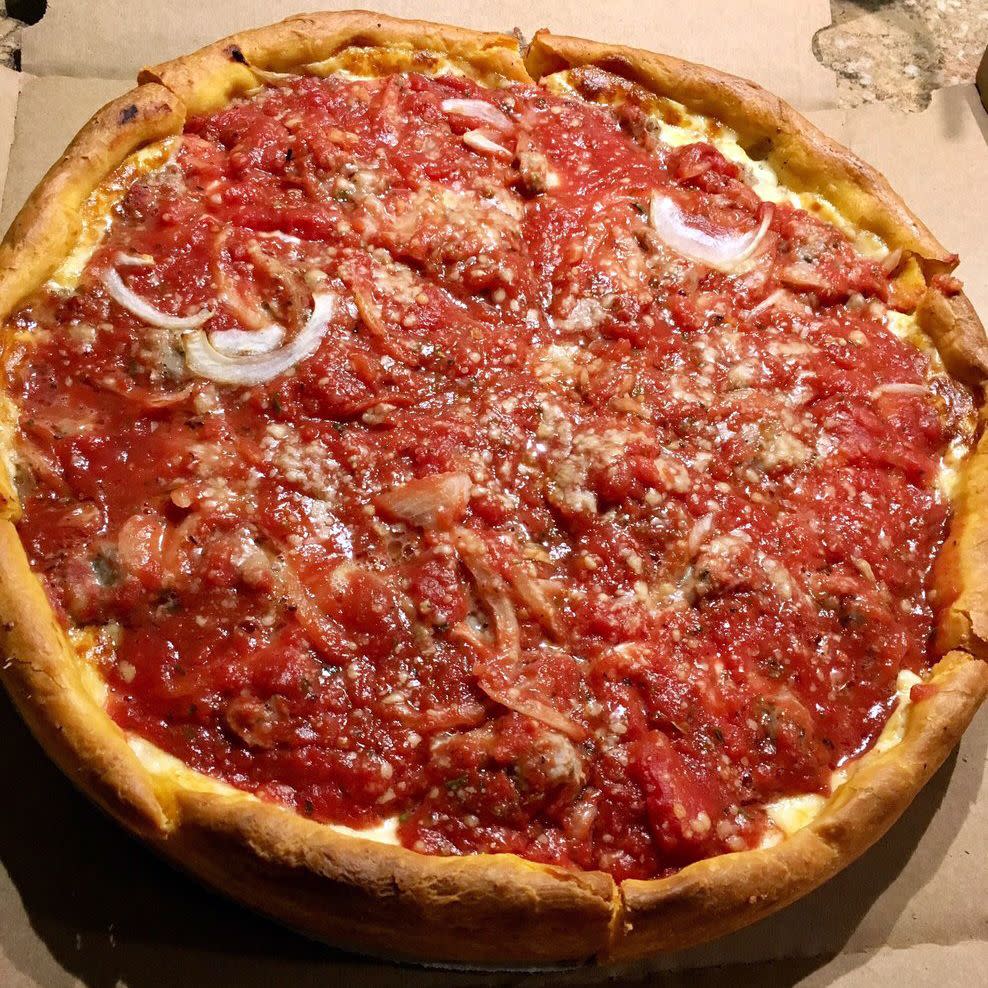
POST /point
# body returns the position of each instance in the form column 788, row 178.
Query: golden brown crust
column 956, row 330
column 962, row 566
column 211, row 77
column 803, row 157
column 42, row 675
column 48, row 223
column 483, row 909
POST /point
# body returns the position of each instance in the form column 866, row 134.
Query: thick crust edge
column 42, row 674
column 486, row 909
column 48, row 223
column 209, row 78
column 961, row 573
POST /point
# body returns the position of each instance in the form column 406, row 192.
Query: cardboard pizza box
column 80, row 902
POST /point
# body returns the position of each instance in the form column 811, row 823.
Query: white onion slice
column 146, row 312
column 287, row 238
column 206, row 361
column 123, row 260
column 493, row 595
column 479, row 142
column 900, row 388
column 781, row 299
column 724, row 252
column 477, row 109
column 769, row 301
column 244, row 342
column 430, row 502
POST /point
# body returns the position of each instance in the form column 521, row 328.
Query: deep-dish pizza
column 486, row 507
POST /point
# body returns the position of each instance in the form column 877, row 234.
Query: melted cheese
column 792, row 813
column 949, row 473
column 92, row 645
column 96, row 214
column 694, row 127
column 8, row 463
column 366, row 65
column 441, row 67
column 895, row 728
column 760, row 175
column 93, row 683
column 906, row 327
column 386, row 832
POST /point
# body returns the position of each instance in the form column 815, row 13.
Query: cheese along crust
column 498, row 910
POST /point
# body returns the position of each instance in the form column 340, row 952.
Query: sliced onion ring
column 206, row 361
column 769, row 302
column 432, row 502
column 146, row 312
column 724, row 252
column 477, row 109
column 245, row 342
column 479, row 141
column 123, row 260
column 287, row 238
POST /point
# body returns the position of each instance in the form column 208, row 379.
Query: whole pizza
column 486, row 504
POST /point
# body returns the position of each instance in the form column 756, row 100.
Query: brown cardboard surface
column 10, row 87
column 49, row 113
column 82, row 903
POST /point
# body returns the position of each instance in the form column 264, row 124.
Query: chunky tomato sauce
column 560, row 543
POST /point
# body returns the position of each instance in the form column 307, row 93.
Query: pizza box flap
column 81, row 902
